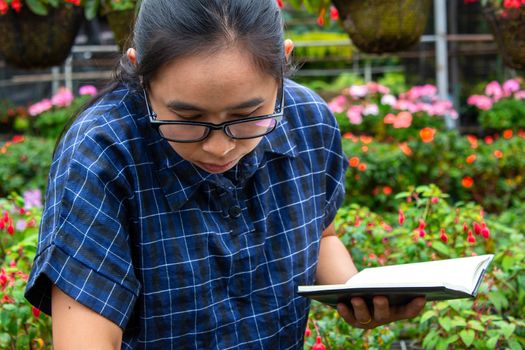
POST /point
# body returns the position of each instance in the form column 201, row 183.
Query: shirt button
column 235, row 211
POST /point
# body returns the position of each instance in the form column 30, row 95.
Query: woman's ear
column 288, row 48
column 132, row 55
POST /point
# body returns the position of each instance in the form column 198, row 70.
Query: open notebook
column 436, row 280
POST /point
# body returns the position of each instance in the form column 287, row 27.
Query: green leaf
column 498, row 300
column 446, row 323
column 53, row 3
column 506, row 328
column 459, row 322
column 467, row 336
column 476, row 325
column 442, row 248
column 514, row 344
column 295, row 3
column 430, row 340
column 428, row 315
column 37, row 7
column 491, row 343
column 441, row 344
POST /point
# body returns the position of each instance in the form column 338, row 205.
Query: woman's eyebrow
column 183, row 106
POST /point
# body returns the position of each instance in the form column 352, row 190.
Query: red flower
column 354, row 162
column 434, row 200
column 307, row 332
column 318, row 344
column 362, row 167
column 507, row 134
column 485, row 231
column 3, row 7
column 471, row 159
column 334, row 14
column 16, row 5
column 427, row 134
column 36, row 312
column 6, row 300
column 11, row 228
column 17, row 138
column 401, row 217
column 498, row 154
column 489, row 140
column 473, row 141
column 443, row 236
column 477, row 228
column 320, row 19
column 3, row 278
column 405, row 148
column 467, row 182
column 387, row 190
column 511, row 4
column 471, row 238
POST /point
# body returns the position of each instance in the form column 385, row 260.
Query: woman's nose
column 218, row 144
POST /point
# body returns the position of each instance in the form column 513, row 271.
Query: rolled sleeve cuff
column 92, row 289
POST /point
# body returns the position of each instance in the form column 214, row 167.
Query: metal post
column 55, row 84
column 68, row 73
column 440, row 25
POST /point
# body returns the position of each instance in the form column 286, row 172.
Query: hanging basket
column 508, row 28
column 379, row 26
column 32, row 41
column 121, row 24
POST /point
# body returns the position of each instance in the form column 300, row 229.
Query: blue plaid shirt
column 178, row 257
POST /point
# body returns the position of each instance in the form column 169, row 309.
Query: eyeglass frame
column 156, row 124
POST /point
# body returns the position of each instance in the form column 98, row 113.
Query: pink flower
column 371, row 109
column 388, row 100
column 417, row 92
column 494, row 89
column 403, row 120
column 374, row 87
column 87, row 90
column 520, row 95
column 481, row 102
column 32, row 199
column 510, row 86
column 337, row 104
column 354, row 114
column 358, row 91
column 389, row 118
column 40, row 107
column 21, row 225
column 62, row 98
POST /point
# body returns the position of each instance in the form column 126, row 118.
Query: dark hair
column 166, row 30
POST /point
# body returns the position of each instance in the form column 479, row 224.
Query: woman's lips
column 216, row 168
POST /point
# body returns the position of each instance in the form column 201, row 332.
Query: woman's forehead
column 229, row 71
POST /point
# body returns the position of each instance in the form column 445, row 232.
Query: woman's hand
column 360, row 316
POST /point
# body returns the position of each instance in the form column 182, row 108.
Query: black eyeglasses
column 192, row 131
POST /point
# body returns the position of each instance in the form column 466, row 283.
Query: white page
column 459, row 274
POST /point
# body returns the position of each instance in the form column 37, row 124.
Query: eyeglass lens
column 241, row 130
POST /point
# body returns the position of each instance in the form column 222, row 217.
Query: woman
column 188, row 202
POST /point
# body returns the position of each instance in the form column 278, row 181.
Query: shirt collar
column 180, row 179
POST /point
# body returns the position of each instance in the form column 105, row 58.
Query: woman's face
column 213, row 88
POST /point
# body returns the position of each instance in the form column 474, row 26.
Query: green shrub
column 492, row 320
column 24, row 163
column 22, row 326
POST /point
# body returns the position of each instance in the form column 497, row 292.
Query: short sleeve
column 84, row 244
column 335, row 168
